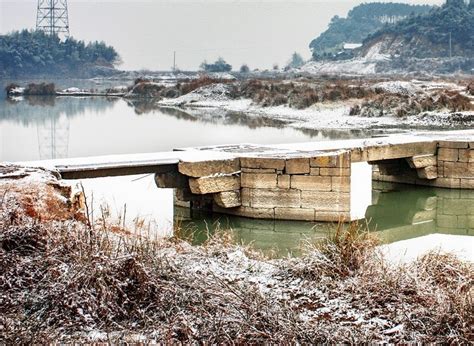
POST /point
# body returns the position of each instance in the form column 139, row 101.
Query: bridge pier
column 298, row 186
column 315, row 185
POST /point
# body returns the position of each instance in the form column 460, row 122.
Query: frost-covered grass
column 63, row 280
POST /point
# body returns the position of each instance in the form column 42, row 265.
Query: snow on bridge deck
column 130, row 164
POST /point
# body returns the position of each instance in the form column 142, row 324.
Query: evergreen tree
column 295, row 61
column 34, row 52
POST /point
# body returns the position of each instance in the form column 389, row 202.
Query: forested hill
column 33, row 53
column 361, row 21
column 443, row 32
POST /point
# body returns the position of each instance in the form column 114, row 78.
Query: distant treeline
column 361, row 21
column 445, row 28
column 27, row 53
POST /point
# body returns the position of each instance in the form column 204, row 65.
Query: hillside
column 428, row 36
column 33, row 53
column 361, row 21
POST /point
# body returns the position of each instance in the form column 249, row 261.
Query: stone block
column 401, row 150
column 294, row 214
column 254, row 213
column 332, row 216
column 283, row 181
column 245, row 196
column 314, row 171
column 467, row 184
column 454, row 144
column 422, row 161
column 200, row 169
column 326, row 201
column 359, row 155
column 228, row 199
column 263, row 162
column 171, row 180
column 335, row 171
column 456, row 170
column 311, row 183
column 332, row 160
column 429, row 173
column 271, row 198
column 341, row 184
column 259, row 181
column 206, row 185
column 297, row 166
column 466, row 155
column 259, row 170
column 451, row 183
column 446, row 154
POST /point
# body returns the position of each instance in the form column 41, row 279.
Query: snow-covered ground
column 215, row 101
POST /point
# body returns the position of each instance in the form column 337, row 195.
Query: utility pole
column 52, row 17
column 174, row 61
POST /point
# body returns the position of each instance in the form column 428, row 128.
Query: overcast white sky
column 145, row 33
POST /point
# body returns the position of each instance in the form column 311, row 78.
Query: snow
column 17, row 91
column 358, row 66
column 352, row 45
column 397, row 87
column 409, row 250
column 73, row 90
column 137, row 197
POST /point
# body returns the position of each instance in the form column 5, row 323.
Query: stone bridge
column 317, row 181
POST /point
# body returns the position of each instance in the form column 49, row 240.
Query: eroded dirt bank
column 65, row 280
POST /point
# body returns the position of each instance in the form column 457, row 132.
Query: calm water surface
column 46, row 128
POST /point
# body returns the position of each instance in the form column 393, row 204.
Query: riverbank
column 99, row 282
column 347, row 104
column 303, row 103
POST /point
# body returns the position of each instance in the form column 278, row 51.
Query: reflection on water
column 62, row 127
column 399, row 212
column 45, row 128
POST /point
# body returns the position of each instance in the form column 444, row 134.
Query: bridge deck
column 368, row 149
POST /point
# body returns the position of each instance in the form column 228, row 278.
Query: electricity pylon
column 52, row 17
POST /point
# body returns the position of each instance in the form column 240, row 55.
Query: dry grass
column 404, row 105
column 65, row 281
column 202, row 81
column 301, row 95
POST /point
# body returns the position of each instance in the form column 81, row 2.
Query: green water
column 398, row 212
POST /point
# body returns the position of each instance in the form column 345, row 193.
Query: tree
column 244, row 68
column 220, row 65
column 34, row 52
column 295, row 61
column 361, row 21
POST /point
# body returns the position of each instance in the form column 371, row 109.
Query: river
column 41, row 128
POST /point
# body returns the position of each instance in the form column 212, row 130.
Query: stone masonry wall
column 301, row 188
column 453, row 167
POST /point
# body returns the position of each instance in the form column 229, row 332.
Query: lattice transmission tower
column 52, row 17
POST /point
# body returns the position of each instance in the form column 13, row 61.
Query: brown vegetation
column 40, row 89
column 194, row 84
column 405, row 105
column 300, row 95
column 63, row 281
